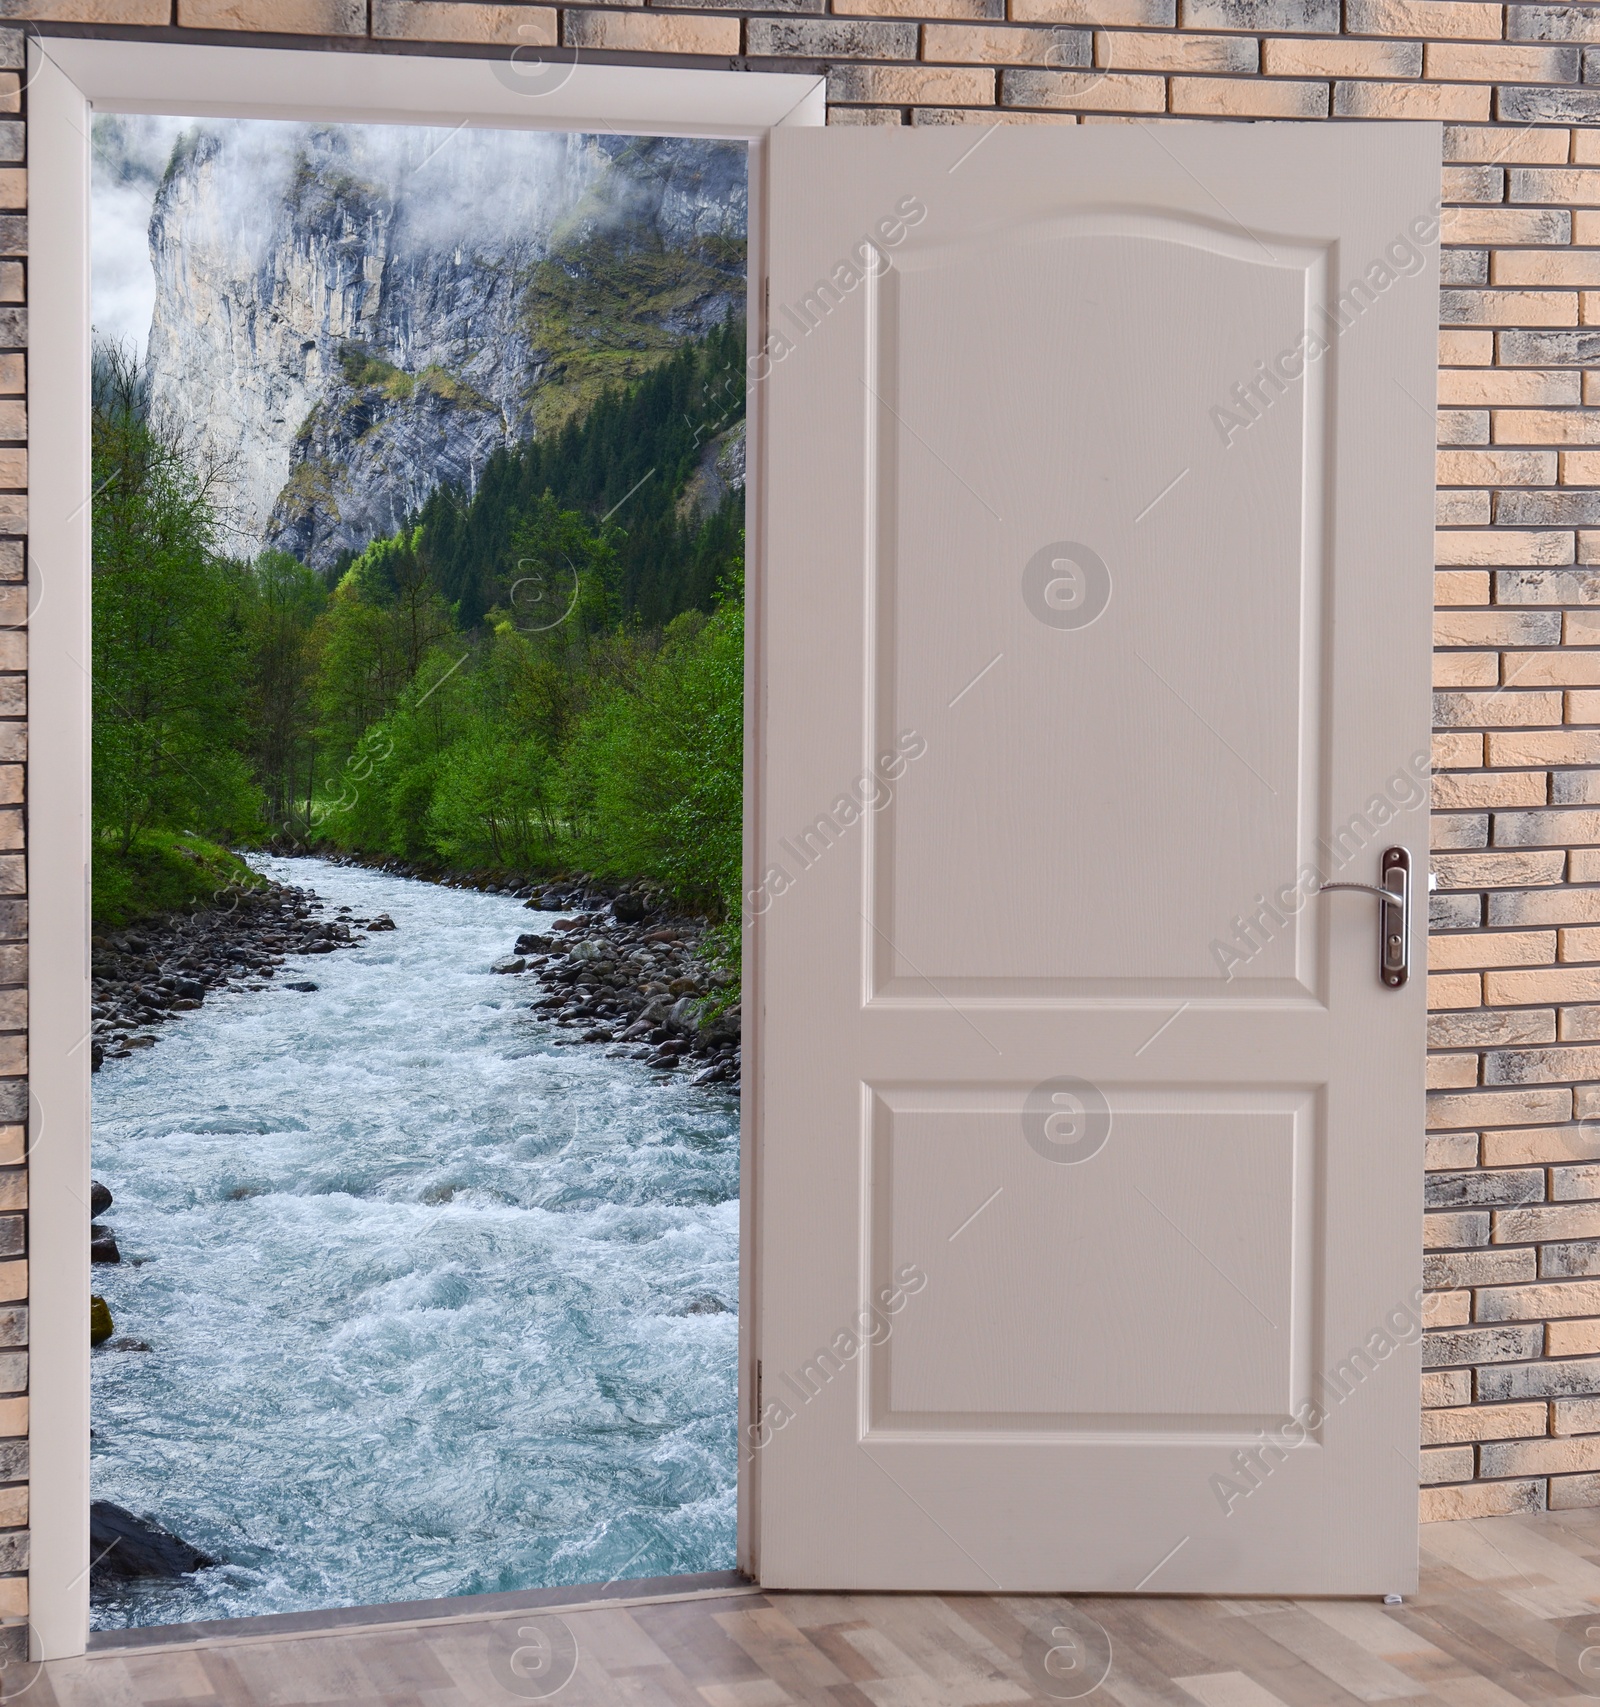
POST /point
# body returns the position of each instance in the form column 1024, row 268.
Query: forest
column 542, row 676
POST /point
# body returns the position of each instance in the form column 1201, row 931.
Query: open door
column 1096, row 640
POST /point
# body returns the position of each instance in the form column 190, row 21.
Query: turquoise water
column 431, row 1298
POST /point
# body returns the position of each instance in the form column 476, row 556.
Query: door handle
column 1394, row 915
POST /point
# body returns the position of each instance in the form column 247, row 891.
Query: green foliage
column 169, row 647
column 160, row 873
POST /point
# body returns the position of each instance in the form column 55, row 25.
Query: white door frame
column 68, row 79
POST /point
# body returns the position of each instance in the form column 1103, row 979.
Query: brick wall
column 1511, row 1417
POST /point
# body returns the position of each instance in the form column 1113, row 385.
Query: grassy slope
column 161, row 873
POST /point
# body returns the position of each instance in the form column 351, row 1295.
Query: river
column 432, row 1298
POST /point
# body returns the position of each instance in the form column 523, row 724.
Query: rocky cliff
column 347, row 316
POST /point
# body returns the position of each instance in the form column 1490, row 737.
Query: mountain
column 348, row 317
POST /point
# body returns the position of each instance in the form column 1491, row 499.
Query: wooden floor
column 1503, row 1616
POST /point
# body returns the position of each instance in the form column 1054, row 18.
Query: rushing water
column 430, row 1296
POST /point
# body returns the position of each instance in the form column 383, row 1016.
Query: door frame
column 69, row 76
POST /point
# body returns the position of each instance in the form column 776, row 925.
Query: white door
column 1096, row 636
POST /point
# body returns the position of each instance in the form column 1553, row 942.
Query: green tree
column 169, row 649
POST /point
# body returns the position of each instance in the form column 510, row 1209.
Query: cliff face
column 347, row 316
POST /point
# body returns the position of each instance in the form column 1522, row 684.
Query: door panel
column 1096, row 635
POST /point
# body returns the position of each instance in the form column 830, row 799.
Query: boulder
column 382, row 923
column 101, row 1327
column 100, row 1199
column 103, row 1245
column 630, row 909
column 530, row 942
column 124, row 1546
column 514, row 964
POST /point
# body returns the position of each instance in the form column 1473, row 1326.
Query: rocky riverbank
column 153, row 971
column 612, row 977
column 622, row 969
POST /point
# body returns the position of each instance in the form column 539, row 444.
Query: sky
column 130, row 156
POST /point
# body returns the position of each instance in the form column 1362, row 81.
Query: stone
column 126, row 1547
column 511, row 965
column 100, row 1199
column 101, row 1326
column 381, row 923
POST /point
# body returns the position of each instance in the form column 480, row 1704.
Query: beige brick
column 1498, row 710
column 1445, row 1464
column 1497, row 869
column 1487, row 387
column 1491, row 1028
column 1452, row 1231
column 1151, row 14
column 1411, row 101
column 1459, row 347
column 903, row 84
column 1578, row 467
column 1506, row 143
column 1465, row 670
column 1583, row 706
column 1579, row 1024
column 1445, row 1387
column 12, row 381
column 1567, row 186
column 1546, row 747
column 863, row 115
column 1581, row 942
column 1457, row 19
column 13, row 1281
column 1545, row 267
column 1461, row 586
column 1540, row 1457
column 1572, row 1339
column 978, row 9
column 1456, row 749
column 1583, row 865
column 1495, row 225
column 1580, row 627
column 661, row 32
column 1451, row 1073
column 89, row 11
column 1504, row 547
column 1542, row 1222
column 1521, row 1146
column 1499, row 62
column 1586, row 226
column 1455, row 990
column 464, row 20
column 1310, row 57
column 1546, row 427
column 1123, row 51
column 280, row 17
column 1552, row 669
column 1537, row 1303
column 1485, row 1422
column 986, row 44
column 1575, row 1416
column 14, row 1417
column 1505, row 788
column 1508, row 626
column 1479, row 1499
column 1488, row 949
column 1454, row 1151
column 1509, row 307
column 1507, row 1264
column 1496, row 468
column 1097, row 91
column 1574, row 1493
column 1447, row 1309
column 1524, row 1106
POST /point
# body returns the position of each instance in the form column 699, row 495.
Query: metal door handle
column 1394, row 916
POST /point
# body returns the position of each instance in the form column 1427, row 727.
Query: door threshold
column 458, row 1609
